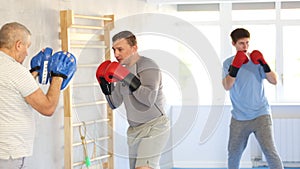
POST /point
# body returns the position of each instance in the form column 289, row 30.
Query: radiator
column 287, row 139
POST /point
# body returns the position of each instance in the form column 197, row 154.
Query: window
column 290, row 10
column 274, row 28
column 253, row 11
column 182, row 69
column 291, row 63
column 196, row 64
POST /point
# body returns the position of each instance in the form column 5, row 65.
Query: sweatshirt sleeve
column 150, row 82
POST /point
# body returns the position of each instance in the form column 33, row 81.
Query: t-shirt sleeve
column 24, row 81
column 226, row 65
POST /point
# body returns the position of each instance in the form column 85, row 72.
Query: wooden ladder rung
column 86, row 36
column 85, row 85
column 87, row 65
column 87, row 27
column 90, row 122
column 89, row 103
column 92, row 159
column 92, row 17
column 87, row 46
column 91, row 141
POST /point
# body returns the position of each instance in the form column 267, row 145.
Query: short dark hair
column 239, row 33
column 129, row 36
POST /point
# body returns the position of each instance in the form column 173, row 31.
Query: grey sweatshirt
column 148, row 101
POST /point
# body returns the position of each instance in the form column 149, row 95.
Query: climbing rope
column 82, row 133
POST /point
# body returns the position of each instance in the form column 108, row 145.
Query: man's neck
column 134, row 59
column 7, row 51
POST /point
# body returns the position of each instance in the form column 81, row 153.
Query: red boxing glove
column 101, row 69
column 239, row 59
column 116, row 72
column 257, row 58
column 105, row 86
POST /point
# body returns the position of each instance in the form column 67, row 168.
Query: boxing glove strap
column 233, row 71
column 132, row 81
column 59, row 75
column 35, row 69
column 265, row 67
column 105, row 86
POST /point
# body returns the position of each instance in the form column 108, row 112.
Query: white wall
column 212, row 153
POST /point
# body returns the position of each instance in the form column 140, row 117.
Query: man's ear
column 233, row 43
column 135, row 47
column 18, row 45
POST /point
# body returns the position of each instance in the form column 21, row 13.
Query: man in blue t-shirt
column 243, row 76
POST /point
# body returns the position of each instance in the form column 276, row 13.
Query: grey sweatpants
column 238, row 138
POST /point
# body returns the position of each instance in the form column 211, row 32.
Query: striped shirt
column 17, row 126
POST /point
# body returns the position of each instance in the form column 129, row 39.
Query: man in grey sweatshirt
column 136, row 81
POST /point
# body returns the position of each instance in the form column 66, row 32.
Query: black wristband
column 132, row 81
column 35, row 69
column 266, row 68
column 233, row 71
column 105, row 86
column 59, row 75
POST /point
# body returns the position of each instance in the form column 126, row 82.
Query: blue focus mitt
column 39, row 63
column 62, row 64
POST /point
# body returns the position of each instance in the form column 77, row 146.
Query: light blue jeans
column 238, row 138
column 18, row 163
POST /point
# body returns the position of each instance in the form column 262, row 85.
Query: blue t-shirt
column 247, row 94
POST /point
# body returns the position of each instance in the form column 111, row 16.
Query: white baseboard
column 209, row 164
column 166, row 166
column 285, row 164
